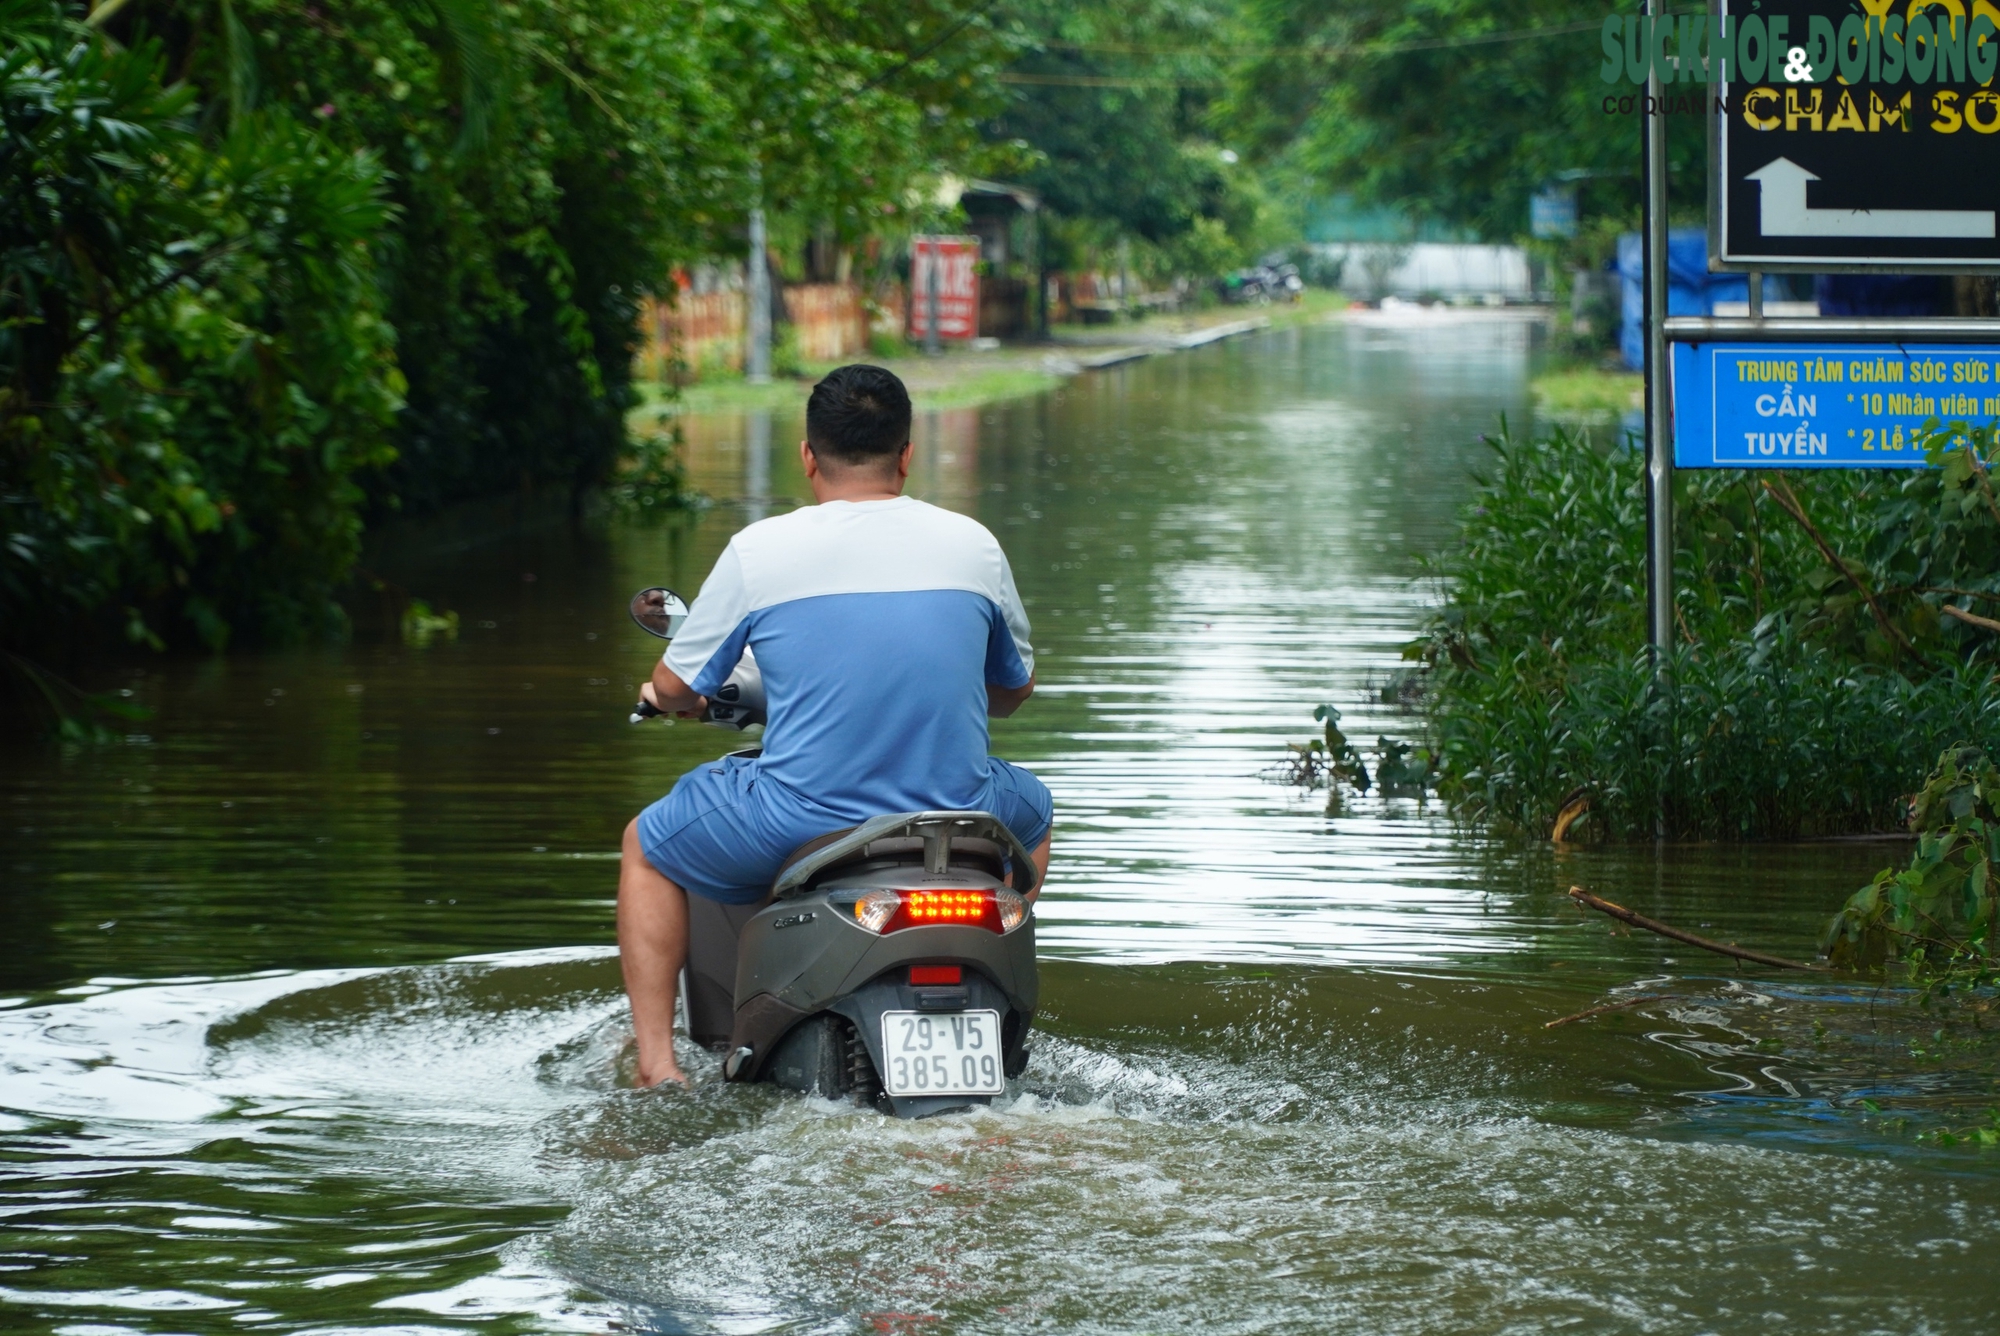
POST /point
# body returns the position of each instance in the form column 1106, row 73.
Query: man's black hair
column 858, row 415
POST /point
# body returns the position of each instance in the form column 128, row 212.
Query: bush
column 524, row 153
column 1816, row 670
column 197, row 372
column 1937, row 914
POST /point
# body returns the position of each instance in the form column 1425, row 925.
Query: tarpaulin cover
column 1691, row 289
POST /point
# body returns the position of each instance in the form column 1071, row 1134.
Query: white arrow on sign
column 1785, row 213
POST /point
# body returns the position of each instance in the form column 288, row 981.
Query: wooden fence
column 703, row 331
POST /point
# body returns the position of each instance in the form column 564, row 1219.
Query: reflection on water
column 313, row 1024
column 756, row 466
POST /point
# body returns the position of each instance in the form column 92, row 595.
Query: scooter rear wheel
column 825, row 1055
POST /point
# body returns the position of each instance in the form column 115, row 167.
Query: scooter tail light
column 961, row 907
column 874, row 909
column 1013, row 907
column 885, row 911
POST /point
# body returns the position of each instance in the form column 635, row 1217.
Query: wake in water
column 1218, row 1150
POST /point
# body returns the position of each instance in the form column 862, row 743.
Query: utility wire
column 950, row 32
column 1171, row 81
column 1100, row 81
column 1334, row 49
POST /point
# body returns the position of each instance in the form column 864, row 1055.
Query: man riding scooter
column 886, row 631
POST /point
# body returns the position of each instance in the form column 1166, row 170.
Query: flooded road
column 311, row 1021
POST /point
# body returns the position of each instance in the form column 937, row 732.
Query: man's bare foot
column 670, row 1072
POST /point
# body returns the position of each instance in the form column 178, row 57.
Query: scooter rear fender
column 893, row 992
column 806, row 955
column 808, row 951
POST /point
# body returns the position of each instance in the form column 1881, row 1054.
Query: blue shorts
column 722, row 834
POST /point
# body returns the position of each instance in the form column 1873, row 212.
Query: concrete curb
column 1061, row 365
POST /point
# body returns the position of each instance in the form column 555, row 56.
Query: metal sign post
column 1659, row 449
column 933, row 285
column 757, row 290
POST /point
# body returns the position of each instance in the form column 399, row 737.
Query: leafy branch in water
column 1935, row 916
column 420, row 622
column 65, row 710
column 651, row 478
column 1982, row 1134
column 1333, row 763
column 1344, row 763
column 1403, row 769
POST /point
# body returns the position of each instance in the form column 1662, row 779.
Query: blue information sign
column 1823, row 405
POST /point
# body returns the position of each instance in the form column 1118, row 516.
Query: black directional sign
column 1852, row 134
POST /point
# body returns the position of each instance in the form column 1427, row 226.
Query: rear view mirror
column 659, row 612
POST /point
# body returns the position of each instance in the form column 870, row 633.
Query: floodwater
column 311, row 1021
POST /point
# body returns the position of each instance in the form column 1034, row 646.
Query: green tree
column 552, row 160
column 1108, row 119
column 383, row 255
column 1447, row 109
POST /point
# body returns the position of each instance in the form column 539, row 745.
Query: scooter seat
column 810, row 847
column 925, row 837
column 985, row 850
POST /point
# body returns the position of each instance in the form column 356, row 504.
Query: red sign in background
column 955, row 260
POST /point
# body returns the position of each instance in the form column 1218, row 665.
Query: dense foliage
column 195, row 363
column 1828, row 645
column 271, row 267
column 1109, row 117
column 1184, row 126
column 1449, row 110
column 1938, row 913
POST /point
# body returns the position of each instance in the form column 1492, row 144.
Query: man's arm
column 717, row 612
column 1003, row 701
column 1008, row 652
column 670, row 695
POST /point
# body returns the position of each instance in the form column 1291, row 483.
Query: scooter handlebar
column 643, row 711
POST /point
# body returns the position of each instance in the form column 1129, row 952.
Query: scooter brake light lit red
column 885, row 911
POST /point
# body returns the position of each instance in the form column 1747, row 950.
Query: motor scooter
column 891, row 963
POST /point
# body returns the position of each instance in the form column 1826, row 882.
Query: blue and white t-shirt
column 877, row 626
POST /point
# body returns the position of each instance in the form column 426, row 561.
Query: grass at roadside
column 1313, row 306
column 956, row 380
column 1587, row 395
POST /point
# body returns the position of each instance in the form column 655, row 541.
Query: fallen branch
column 1588, row 1012
column 1970, row 618
column 1954, row 591
column 1638, row 920
column 1573, row 809
column 1782, row 493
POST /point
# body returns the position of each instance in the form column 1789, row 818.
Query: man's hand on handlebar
column 669, row 695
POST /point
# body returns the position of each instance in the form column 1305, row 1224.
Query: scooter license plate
column 942, row 1053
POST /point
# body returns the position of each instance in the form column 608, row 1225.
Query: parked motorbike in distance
column 1262, row 284
column 892, row 963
